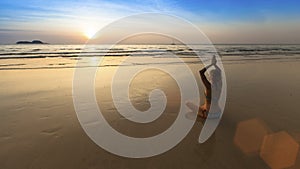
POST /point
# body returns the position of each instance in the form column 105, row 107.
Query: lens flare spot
column 249, row 135
column 279, row 150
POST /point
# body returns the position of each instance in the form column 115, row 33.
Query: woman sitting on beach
column 215, row 83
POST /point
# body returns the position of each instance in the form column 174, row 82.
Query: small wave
column 34, row 50
column 5, row 65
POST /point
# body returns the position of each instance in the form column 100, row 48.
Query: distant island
column 32, row 42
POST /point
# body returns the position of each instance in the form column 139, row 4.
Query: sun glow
column 89, row 32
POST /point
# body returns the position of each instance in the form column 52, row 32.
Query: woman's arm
column 202, row 72
column 203, row 77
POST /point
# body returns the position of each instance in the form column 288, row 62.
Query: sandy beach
column 39, row 127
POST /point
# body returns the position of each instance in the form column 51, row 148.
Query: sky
column 223, row 21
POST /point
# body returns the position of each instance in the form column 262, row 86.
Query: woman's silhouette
column 214, row 84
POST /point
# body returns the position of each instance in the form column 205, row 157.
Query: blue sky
column 224, row 21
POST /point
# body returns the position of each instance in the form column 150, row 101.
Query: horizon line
column 47, row 43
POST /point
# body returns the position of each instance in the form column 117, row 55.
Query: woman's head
column 215, row 79
column 214, row 76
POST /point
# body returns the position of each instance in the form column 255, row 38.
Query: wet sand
column 39, row 127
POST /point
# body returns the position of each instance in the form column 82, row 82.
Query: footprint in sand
column 51, row 131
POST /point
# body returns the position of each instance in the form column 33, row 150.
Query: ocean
column 66, row 56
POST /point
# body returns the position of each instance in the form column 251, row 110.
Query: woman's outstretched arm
column 203, row 77
column 202, row 73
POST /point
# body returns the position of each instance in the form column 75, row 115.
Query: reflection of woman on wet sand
column 215, row 83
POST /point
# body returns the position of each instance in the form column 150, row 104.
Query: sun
column 89, row 32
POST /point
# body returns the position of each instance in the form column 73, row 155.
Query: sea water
column 65, row 56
